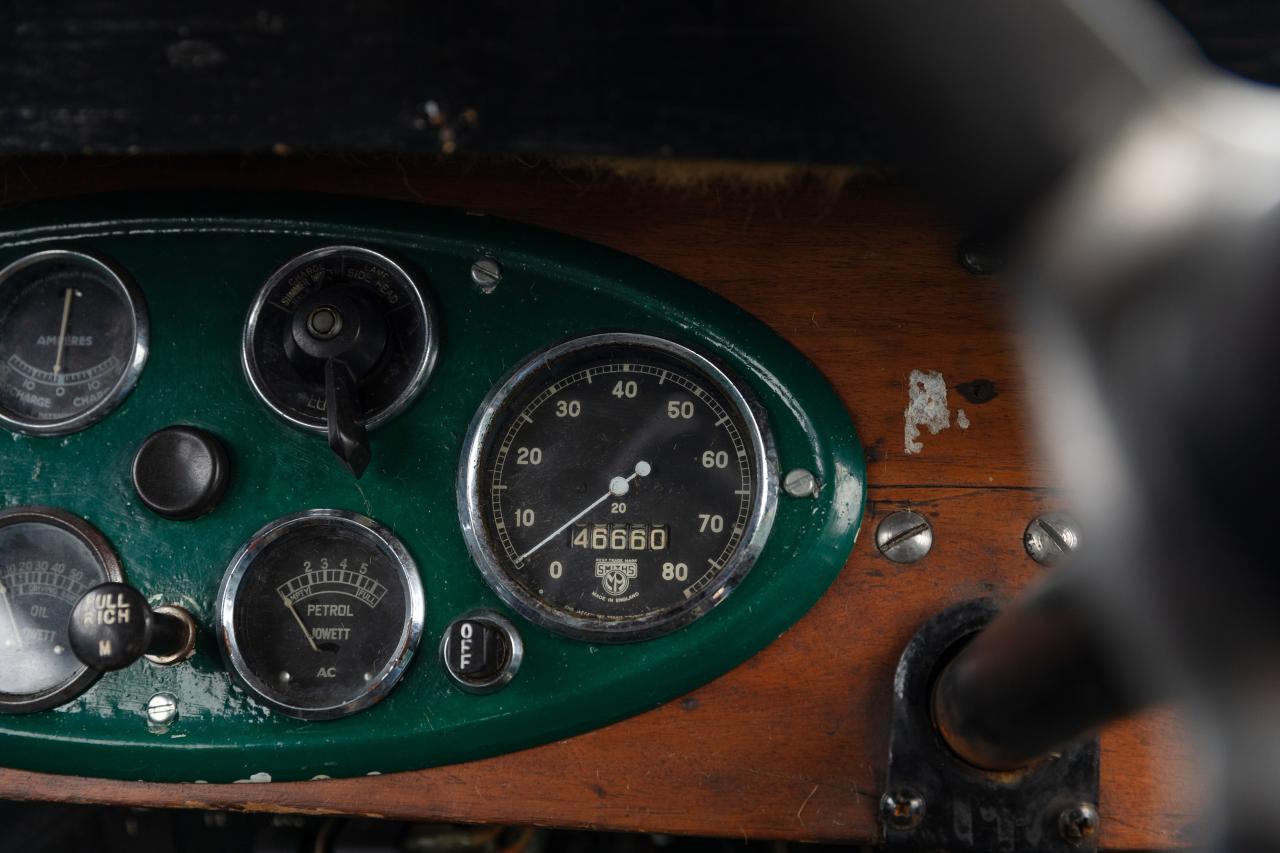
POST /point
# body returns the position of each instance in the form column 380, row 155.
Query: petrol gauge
column 339, row 341
column 48, row 560
column 73, row 340
column 617, row 486
column 320, row 613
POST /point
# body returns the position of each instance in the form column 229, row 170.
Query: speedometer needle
column 8, row 608
column 310, row 640
column 618, row 487
column 62, row 331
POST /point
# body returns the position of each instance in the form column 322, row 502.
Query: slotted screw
column 486, row 273
column 904, row 536
column 1050, row 538
column 800, row 483
column 1078, row 823
column 902, row 808
column 162, row 709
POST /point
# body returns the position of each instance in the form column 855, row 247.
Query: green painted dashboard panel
column 199, row 259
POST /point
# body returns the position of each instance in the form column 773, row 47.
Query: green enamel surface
column 199, row 260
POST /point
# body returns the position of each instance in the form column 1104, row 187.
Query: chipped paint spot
column 256, row 777
column 320, row 777
column 962, row 420
column 926, row 407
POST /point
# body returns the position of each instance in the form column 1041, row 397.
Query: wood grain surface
column 862, row 278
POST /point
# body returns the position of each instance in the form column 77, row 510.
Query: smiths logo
column 616, row 575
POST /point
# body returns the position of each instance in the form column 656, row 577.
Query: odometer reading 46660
column 617, row 486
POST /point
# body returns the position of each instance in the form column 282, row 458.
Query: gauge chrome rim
column 491, row 562
column 390, row 673
column 137, row 307
column 84, row 677
column 422, row 371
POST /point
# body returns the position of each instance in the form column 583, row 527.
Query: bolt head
column 799, row 483
column 1050, row 538
column 1079, row 823
column 981, row 257
column 904, row 536
column 162, row 709
column 324, row 323
column 486, row 273
column 902, row 808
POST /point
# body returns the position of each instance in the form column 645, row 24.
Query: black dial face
column 381, row 288
column 48, row 560
column 321, row 613
column 621, row 488
column 72, row 341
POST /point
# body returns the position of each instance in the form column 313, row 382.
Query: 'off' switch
column 481, row 651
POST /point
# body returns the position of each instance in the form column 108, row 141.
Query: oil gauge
column 320, row 613
column 48, row 560
column 73, row 340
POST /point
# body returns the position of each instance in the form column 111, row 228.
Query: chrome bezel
column 491, row 562
column 390, row 672
column 108, row 563
column 137, row 307
column 422, row 371
column 508, row 672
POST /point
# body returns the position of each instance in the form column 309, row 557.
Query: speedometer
column 617, row 486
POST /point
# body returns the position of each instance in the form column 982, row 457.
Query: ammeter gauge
column 48, row 560
column 617, row 486
column 73, row 340
column 320, row 613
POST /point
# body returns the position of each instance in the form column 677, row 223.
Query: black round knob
column 181, row 472
column 110, row 627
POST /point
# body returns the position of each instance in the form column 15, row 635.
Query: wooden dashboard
column 863, row 278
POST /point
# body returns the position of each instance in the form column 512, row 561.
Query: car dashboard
column 864, row 362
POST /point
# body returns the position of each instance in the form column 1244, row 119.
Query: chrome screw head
column 1079, row 823
column 904, row 536
column 162, row 709
column 486, row 273
column 902, row 809
column 799, row 483
column 1050, row 538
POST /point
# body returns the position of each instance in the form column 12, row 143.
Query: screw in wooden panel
column 1079, row 823
column 486, row 273
column 1050, row 538
column 904, row 536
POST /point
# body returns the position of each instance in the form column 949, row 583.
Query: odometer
column 617, row 486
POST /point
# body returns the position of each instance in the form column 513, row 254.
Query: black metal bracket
column 934, row 800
